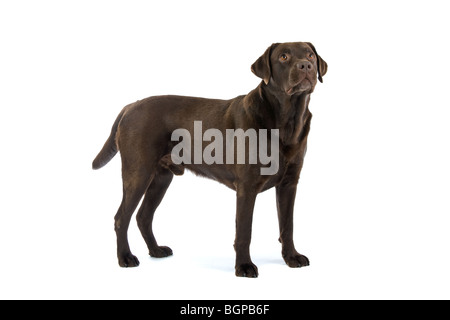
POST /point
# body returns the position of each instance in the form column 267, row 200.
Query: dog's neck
column 287, row 113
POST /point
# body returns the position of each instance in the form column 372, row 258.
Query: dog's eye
column 284, row 57
column 311, row 55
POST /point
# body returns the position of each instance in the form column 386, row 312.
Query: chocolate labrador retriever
column 148, row 132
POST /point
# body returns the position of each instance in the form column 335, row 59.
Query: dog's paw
column 297, row 261
column 128, row 261
column 248, row 270
column 161, row 252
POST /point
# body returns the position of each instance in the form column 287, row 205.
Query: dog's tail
column 110, row 149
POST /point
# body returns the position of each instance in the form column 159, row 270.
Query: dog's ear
column 322, row 66
column 262, row 67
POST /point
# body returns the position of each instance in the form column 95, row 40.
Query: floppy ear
column 262, row 68
column 322, row 66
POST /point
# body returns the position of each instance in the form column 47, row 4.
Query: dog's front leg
column 286, row 192
column 244, row 218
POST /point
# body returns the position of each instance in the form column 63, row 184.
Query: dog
column 144, row 134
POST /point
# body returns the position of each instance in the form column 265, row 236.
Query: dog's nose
column 304, row 65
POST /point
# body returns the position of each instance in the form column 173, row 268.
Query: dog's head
column 292, row 67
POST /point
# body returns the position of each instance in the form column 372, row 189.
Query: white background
column 372, row 210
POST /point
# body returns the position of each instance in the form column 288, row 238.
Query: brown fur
column 142, row 133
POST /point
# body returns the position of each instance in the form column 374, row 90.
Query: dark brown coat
column 142, row 133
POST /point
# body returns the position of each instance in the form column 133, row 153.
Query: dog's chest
column 268, row 182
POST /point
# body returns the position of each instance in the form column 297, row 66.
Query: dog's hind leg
column 134, row 185
column 155, row 193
